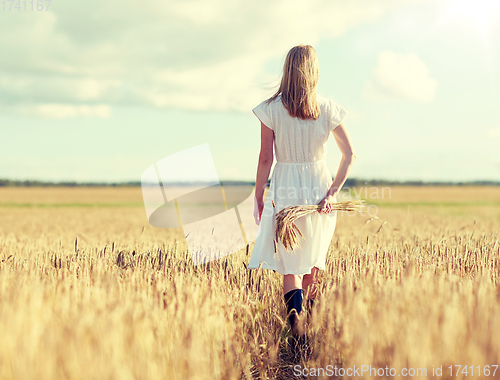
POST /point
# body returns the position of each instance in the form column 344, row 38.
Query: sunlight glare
column 480, row 15
column 477, row 11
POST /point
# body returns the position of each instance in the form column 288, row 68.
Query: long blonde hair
column 299, row 83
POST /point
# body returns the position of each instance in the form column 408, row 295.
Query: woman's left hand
column 257, row 211
column 326, row 204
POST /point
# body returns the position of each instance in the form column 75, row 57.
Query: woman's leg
column 291, row 282
column 309, row 284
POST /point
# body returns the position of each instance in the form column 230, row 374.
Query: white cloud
column 400, row 76
column 61, row 111
column 187, row 54
column 55, row 88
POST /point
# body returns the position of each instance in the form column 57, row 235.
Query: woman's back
column 299, row 140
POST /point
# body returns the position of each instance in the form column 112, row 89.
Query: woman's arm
column 348, row 156
column 264, row 168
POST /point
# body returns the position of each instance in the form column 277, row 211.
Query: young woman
column 298, row 123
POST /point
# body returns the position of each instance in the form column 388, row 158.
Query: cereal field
column 89, row 290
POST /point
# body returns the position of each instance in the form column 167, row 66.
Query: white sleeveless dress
column 300, row 177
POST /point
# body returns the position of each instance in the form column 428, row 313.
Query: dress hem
column 270, row 267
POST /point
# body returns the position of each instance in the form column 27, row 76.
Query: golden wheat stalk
column 288, row 232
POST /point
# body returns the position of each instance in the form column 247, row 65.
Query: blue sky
column 102, row 90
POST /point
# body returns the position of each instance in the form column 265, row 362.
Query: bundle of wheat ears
column 288, row 232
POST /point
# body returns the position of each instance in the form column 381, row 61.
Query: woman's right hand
column 258, row 208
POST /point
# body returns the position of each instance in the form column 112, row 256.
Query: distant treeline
column 7, row 182
column 351, row 182
column 380, row 182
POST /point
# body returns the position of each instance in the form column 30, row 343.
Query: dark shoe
column 293, row 301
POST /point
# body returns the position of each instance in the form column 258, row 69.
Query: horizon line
column 349, row 182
